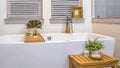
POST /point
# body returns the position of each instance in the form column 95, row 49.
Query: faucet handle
column 68, row 18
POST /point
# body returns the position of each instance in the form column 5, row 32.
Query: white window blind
column 63, row 8
column 24, row 9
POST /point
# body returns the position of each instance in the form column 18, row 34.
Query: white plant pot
column 95, row 52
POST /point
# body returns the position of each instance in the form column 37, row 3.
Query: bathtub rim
column 106, row 38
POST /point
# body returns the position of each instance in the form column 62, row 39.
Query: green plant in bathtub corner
column 94, row 45
column 34, row 24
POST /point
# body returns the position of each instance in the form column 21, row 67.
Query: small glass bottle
column 31, row 32
column 86, row 53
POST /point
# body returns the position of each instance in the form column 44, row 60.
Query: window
column 20, row 11
column 24, row 8
column 62, row 8
column 107, row 8
column 106, row 11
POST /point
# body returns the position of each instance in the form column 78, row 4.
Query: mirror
column 109, row 9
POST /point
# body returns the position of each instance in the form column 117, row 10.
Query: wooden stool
column 79, row 61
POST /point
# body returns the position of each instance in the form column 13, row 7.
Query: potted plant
column 33, row 25
column 94, row 46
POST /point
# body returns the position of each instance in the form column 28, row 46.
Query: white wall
column 112, row 30
column 47, row 27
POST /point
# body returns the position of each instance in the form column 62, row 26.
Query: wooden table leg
column 71, row 65
column 115, row 66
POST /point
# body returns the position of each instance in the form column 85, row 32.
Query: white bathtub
column 14, row 53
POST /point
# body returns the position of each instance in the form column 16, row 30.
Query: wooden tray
column 34, row 38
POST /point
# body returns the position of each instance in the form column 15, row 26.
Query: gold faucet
column 67, row 29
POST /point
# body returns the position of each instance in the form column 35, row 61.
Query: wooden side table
column 79, row 61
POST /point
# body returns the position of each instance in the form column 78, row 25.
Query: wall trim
column 106, row 20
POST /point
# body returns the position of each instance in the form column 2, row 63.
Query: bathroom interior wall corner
column 47, row 27
column 110, row 30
